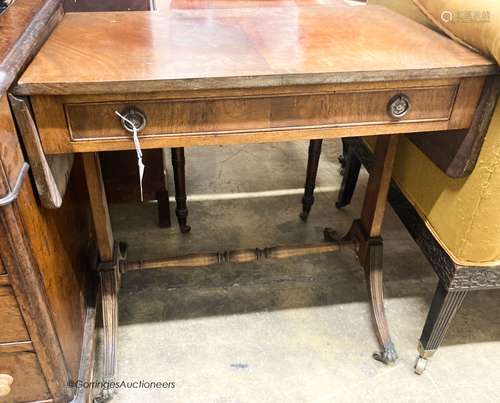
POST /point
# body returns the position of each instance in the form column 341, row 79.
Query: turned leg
column 108, row 266
column 181, row 211
column 312, row 171
column 350, row 172
column 444, row 306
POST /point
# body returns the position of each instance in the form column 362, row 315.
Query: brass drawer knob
column 5, row 382
column 399, row 105
column 133, row 116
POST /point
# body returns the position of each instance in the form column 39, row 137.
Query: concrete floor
column 295, row 330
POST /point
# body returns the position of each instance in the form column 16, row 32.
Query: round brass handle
column 134, row 116
column 5, row 382
column 399, row 105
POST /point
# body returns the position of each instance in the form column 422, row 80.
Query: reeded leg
column 181, row 211
column 350, row 167
column 312, row 171
column 110, row 258
column 444, row 306
column 374, row 278
column 370, row 246
column 108, row 281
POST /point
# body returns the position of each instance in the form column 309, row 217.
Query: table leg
column 351, row 166
column 371, row 248
column 369, row 244
column 179, row 166
column 311, row 173
column 110, row 257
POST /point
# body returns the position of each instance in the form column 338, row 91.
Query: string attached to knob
column 138, row 150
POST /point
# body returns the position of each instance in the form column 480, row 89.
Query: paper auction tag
column 138, row 151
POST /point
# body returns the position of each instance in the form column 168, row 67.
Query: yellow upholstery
column 472, row 22
column 463, row 214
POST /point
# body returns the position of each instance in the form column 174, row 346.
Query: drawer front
column 222, row 115
column 13, row 328
column 28, row 382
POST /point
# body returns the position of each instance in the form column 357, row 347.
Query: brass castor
column 388, row 355
column 420, row 365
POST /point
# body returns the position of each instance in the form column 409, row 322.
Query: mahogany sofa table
column 233, row 76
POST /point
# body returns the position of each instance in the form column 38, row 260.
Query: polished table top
column 236, row 48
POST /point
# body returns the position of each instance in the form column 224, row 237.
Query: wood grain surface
column 13, row 327
column 24, row 26
column 29, row 384
column 201, row 4
column 217, row 115
column 83, row 123
column 11, row 157
column 245, row 47
column 44, row 254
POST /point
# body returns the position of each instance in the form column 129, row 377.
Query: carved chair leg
column 181, row 211
column 350, row 167
column 312, row 171
column 444, row 306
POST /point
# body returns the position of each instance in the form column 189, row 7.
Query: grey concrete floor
column 295, row 330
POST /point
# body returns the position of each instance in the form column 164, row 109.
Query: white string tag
column 138, row 151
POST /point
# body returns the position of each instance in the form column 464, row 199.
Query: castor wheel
column 420, row 365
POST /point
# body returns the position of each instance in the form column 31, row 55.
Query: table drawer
column 28, row 382
column 13, row 328
column 220, row 115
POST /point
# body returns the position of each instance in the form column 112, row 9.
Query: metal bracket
column 12, row 195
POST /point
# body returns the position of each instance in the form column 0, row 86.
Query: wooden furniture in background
column 247, row 86
column 43, row 276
